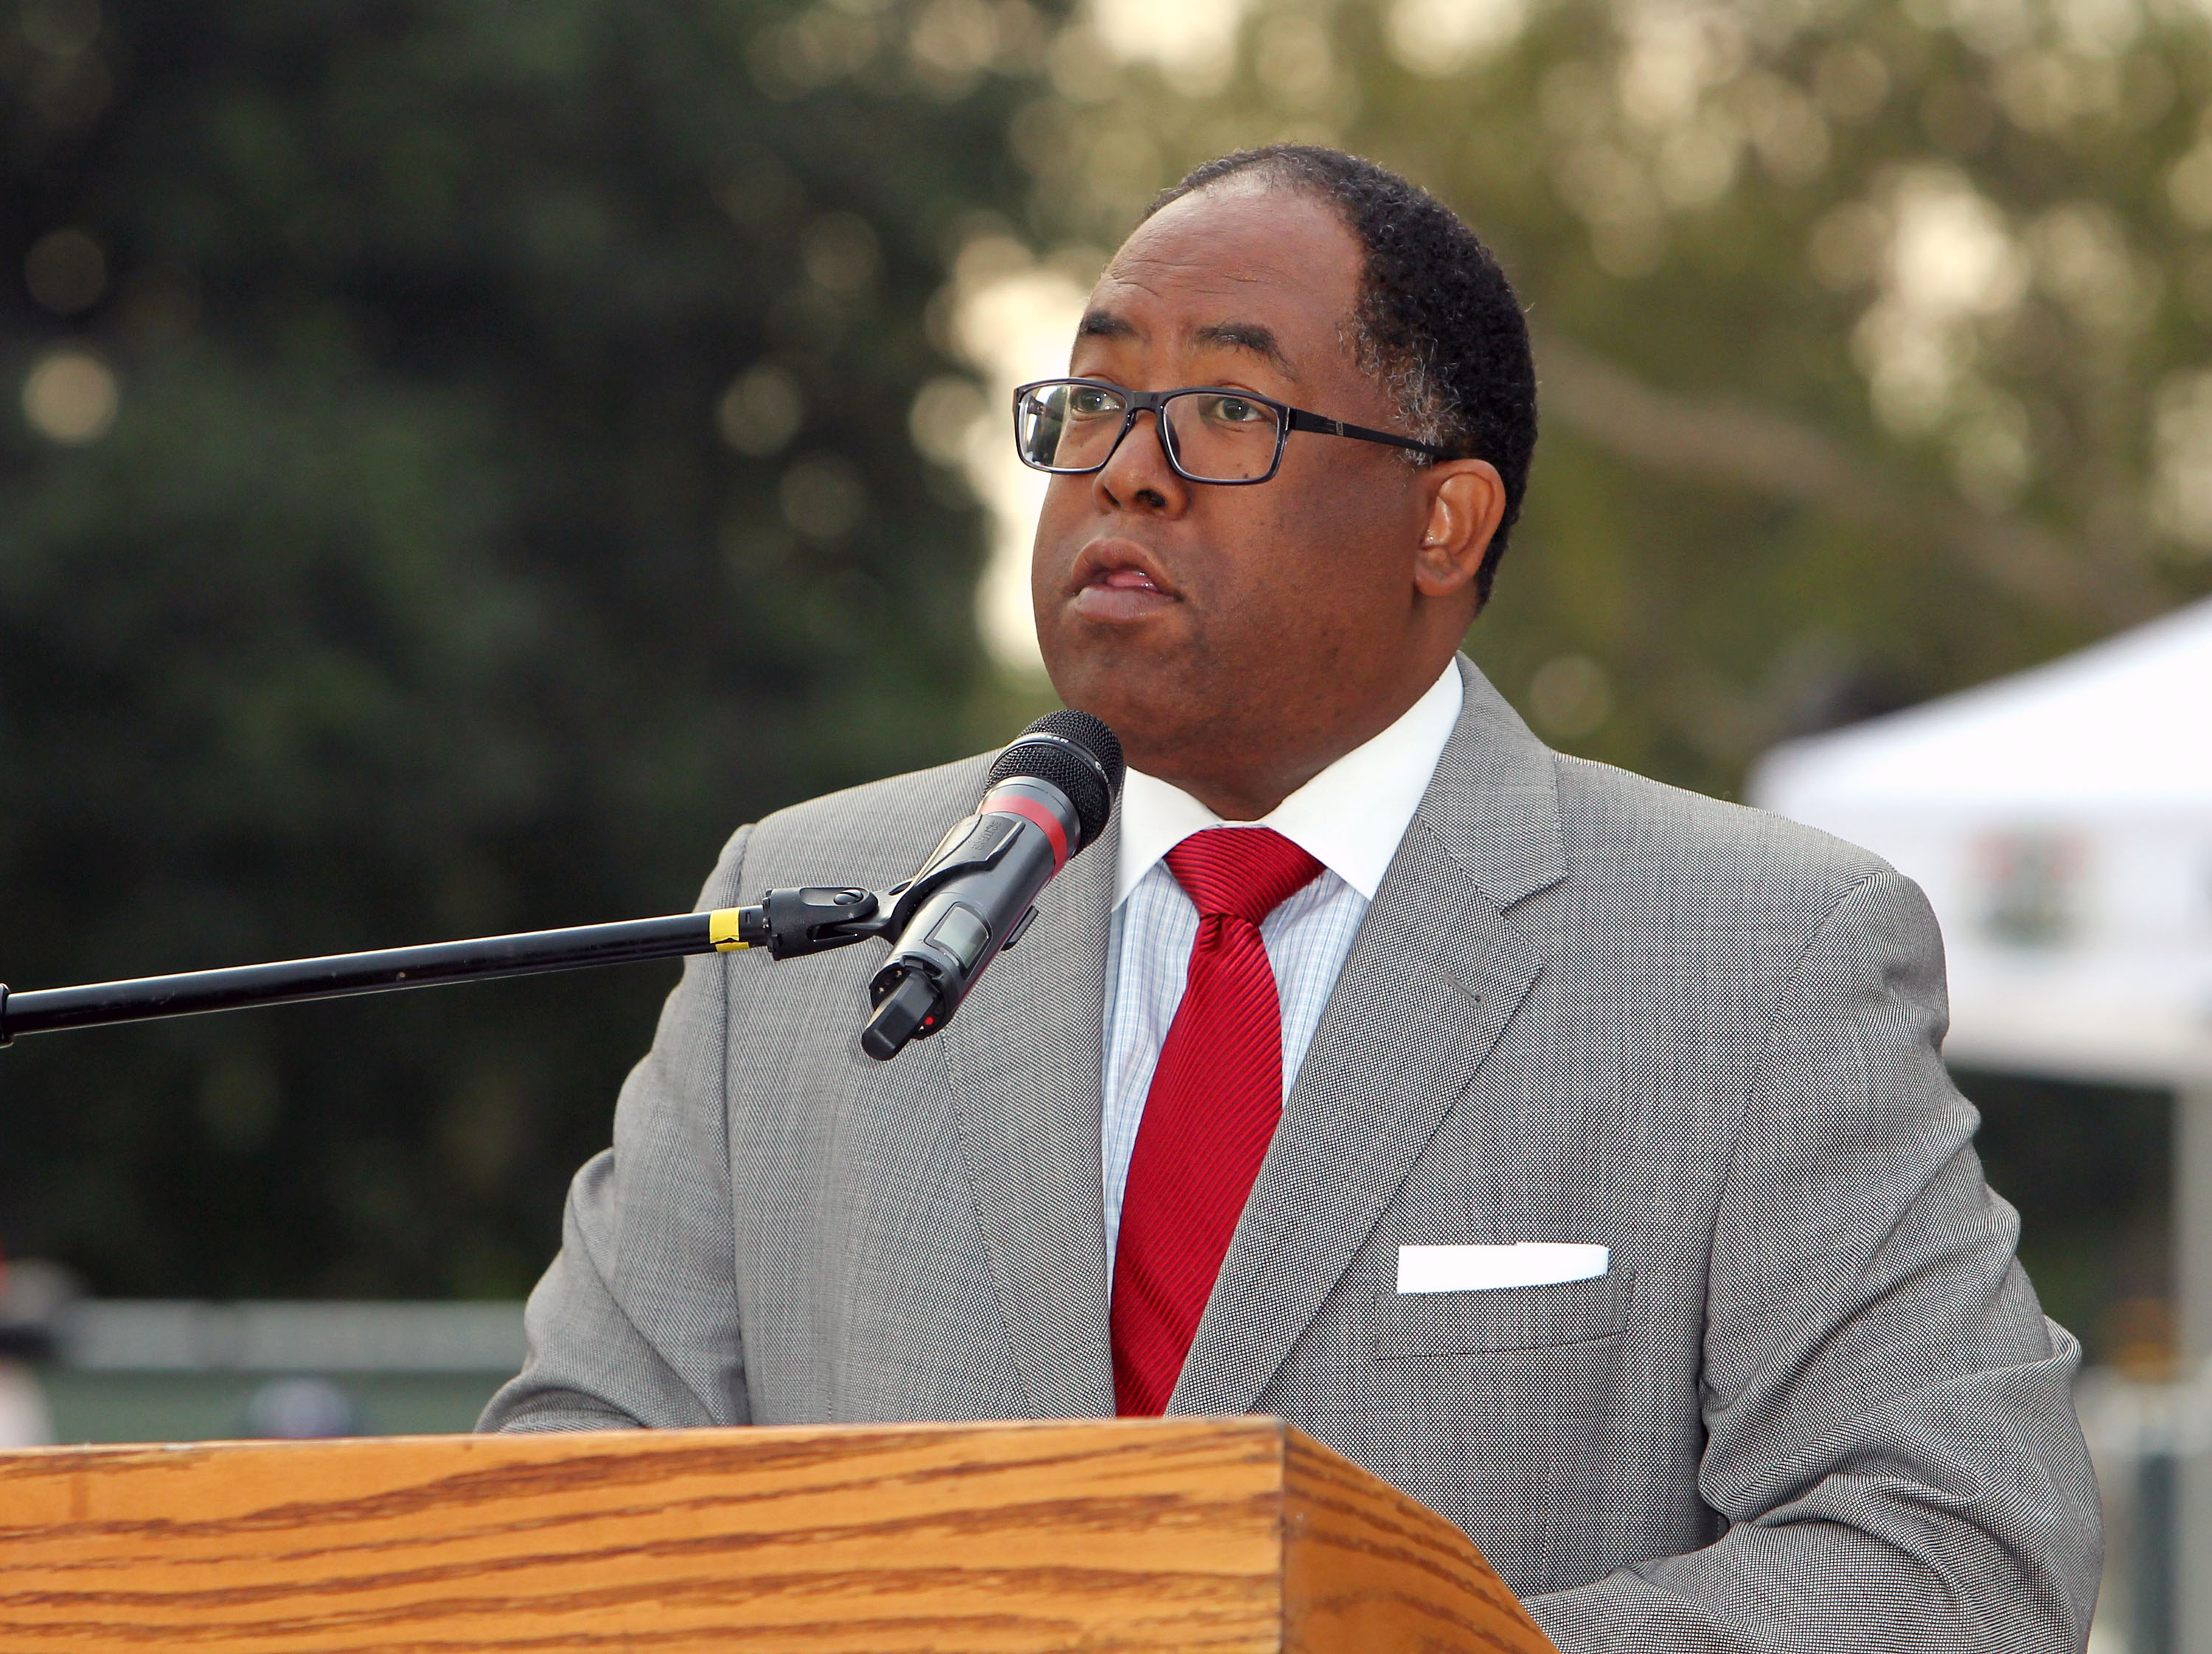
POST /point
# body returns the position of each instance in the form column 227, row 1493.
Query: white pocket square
column 1481, row 1268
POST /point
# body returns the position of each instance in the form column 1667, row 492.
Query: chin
column 1155, row 718
column 1120, row 697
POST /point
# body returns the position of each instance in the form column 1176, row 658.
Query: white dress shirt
column 1349, row 819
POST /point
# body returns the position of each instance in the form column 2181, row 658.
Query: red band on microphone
column 1013, row 804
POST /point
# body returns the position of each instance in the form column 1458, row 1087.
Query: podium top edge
column 524, row 1445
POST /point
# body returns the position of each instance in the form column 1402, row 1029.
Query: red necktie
column 1212, row 1110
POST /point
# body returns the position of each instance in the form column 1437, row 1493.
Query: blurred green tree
column 463, row 469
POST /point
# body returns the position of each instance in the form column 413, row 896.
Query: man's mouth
column 1117, row 583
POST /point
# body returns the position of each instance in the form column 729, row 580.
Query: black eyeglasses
column 1072, row 427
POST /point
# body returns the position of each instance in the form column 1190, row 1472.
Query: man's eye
column 1235, row 411
column 1091, row 402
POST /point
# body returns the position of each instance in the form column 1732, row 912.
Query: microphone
column 1051, row 794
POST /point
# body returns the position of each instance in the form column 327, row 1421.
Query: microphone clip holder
column 788, row 924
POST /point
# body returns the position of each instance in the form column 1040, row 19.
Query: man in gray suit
column 1573, row 1151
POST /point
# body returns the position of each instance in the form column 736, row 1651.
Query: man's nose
column 1139, row 473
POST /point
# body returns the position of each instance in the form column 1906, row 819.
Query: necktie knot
column 1240, row 872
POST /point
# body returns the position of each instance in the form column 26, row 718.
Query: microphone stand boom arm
column 973, row 898
column 785, row 923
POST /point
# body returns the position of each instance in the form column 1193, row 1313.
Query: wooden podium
column 1221, row 1535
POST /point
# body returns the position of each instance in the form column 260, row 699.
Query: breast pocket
column 1405, row 1325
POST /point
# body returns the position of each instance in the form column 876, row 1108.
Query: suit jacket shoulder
column 1612, row 818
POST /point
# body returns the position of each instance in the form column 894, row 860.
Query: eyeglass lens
column 1214, row 436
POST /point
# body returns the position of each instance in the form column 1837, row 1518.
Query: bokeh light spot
column 65, row 271
column 71, row 396
column 61, row 29
column 1570, row 697
column 761, row 412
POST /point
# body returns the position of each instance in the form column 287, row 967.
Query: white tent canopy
column 2060, row 823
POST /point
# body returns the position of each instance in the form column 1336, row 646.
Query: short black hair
column 1438, row 320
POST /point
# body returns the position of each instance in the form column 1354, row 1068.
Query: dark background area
column 2090, row 1169
column 418, row 589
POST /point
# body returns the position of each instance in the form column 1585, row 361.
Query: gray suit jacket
column 1813, row 1405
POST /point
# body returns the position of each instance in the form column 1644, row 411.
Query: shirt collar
column 1349, row 817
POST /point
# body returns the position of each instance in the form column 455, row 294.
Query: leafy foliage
column 465, row 470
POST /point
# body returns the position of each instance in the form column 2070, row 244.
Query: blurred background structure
column 2059, row 822
column 464, row 457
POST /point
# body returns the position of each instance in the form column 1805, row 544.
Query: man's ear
column 1467, row 501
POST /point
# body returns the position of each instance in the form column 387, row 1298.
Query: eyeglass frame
column 1288, row 419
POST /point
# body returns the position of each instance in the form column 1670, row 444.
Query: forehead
column 1239, row 251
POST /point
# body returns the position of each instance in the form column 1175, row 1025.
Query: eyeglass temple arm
column 1302, row 421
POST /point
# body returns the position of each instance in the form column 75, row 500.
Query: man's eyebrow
column 1257, row 338
column 1105, row 325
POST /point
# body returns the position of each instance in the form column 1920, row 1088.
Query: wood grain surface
column 1185, row 1533
column 1367, row 1567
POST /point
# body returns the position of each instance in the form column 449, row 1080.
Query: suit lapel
column 1438, row 969
column 1025, row 1057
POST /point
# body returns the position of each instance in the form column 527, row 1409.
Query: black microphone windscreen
column 1077, row 753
